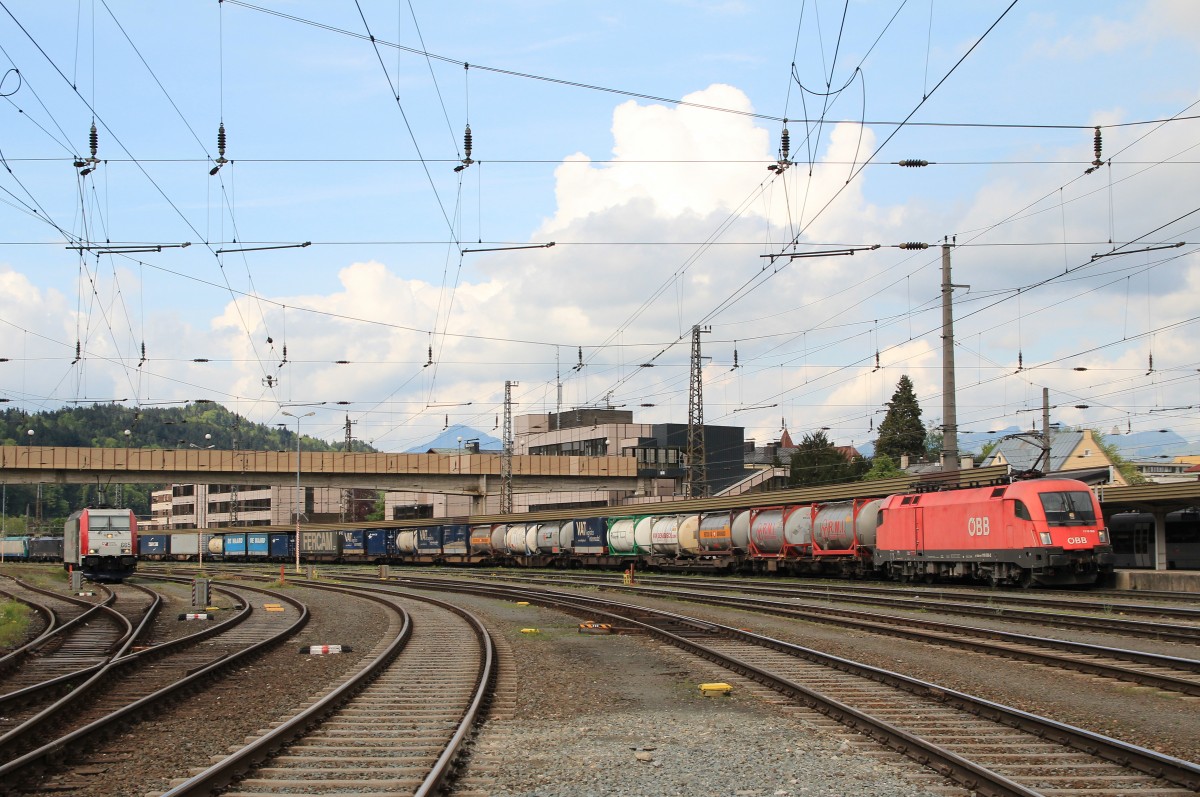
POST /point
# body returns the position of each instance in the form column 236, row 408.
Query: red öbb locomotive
column 1048, row 531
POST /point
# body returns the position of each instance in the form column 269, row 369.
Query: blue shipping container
column 153, row 544
column 257, row 546
column 429, row 540
column 352, row 541
column 375, row 542
column 235, row 545
column 591, row 536
column 280, row 545
column 455, row 538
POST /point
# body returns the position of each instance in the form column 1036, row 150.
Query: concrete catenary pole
column 949, row 407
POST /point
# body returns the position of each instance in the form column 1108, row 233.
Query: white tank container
column 406, row 541
column 566, row 536
column 547, row 537
column 531, row 537
column 739, row 528
column 514, row 540
column 665, row 535
column 689, row 534
column 797, row 525
column 867, row 522
column 499, row 537
column 620, row 536
column 643, row 533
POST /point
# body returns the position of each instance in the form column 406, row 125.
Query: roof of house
column 1023, row 454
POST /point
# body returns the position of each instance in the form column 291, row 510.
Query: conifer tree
column 901, row 432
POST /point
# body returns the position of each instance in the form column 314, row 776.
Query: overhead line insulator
column 913, row 163
column 221, row 160
column 913, row 245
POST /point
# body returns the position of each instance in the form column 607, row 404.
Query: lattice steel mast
column 697, row 483
column 506, row 454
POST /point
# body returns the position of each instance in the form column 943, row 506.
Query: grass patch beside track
column 14, row 623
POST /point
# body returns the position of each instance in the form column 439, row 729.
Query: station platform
column 1159, row 580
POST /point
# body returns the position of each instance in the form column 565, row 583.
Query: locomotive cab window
column 1068, row 508
column 1021, row 511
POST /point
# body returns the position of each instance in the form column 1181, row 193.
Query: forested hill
column 103, row 426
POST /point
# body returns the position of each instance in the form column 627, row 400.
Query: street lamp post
column 297, row 501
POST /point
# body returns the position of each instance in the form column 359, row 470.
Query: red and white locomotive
column 101, row 543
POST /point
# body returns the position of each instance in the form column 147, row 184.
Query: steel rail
column 947, row 634
column 10, row 770
column 226, row 771
column 221, row 774
column 1155, row 764
column 1104, row 624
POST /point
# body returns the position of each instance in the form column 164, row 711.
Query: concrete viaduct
column 459, row 474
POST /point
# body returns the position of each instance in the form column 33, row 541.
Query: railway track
column 129, row 683
column 986, row 747
column 82, row 637
column 1099, row 619
column 396, row 727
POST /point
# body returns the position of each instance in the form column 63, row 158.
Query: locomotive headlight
column 1045, row 535
column 93, row 550
column 127, row 549
column 1104, row 536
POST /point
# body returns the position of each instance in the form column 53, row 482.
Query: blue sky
column 661, row 212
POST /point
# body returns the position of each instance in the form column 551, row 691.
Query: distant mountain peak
column 458, row 436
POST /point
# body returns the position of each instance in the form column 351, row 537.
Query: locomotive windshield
column 1069, row 509
column 120, row 522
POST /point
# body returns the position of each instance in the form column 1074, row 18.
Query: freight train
column 1045, row 531
column 31, row 549
column 101, row 543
